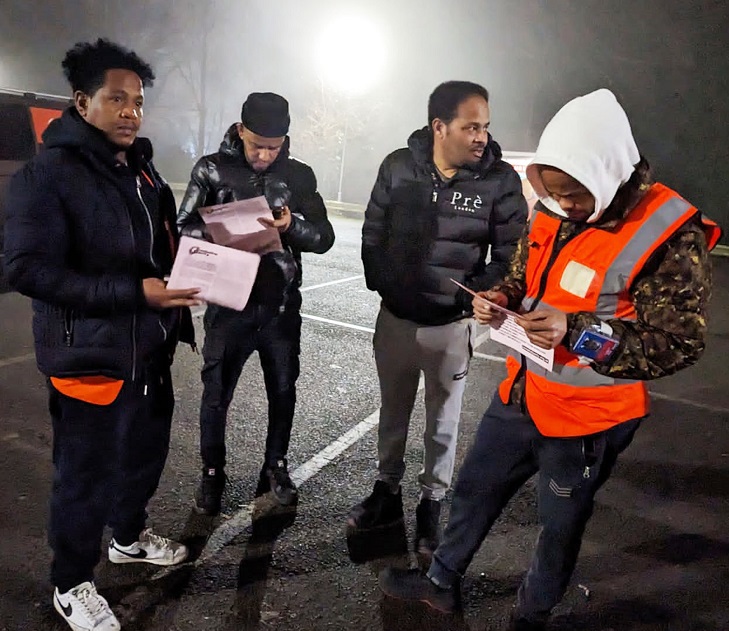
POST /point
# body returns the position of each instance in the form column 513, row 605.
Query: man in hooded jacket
column 254, row 160
column 90, row 235
column 439, row 209
column 613, row 274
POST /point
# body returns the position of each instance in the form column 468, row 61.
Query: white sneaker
column 85, row 610
column 150, row 548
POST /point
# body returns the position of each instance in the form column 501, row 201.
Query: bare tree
column 332, row 126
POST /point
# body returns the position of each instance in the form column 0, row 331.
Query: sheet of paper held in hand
column 509, row 333
column 236, row 225
column 225, row 276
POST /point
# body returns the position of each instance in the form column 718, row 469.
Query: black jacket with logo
column 226, row 176
column 82, row 232
column 420, row 231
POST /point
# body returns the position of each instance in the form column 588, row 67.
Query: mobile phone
column 595, row 345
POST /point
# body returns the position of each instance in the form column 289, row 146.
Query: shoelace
column 90, row 600
column 157, row 540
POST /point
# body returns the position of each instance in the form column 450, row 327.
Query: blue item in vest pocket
column 595, row 345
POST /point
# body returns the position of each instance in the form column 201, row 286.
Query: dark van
column 24, row 117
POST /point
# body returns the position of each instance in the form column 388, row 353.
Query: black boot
column 277, row 480
column 414, row 586
column 427, row 527
column 382, row 508
column 210, row 492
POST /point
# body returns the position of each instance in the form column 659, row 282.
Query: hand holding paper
column 483, row 306
column 225, row 276
column 546, row 327
column 508, row 330
column 242, row 225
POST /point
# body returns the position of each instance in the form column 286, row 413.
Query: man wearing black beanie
column 254, row 160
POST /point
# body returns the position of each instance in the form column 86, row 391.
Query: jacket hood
column 420, row 144
column 73, row 132
column 591, row 140
column 232, row 145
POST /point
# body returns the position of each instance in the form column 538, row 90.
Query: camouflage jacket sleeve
column 514, row 283
column 671, row 298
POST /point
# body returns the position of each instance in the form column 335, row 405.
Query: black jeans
column 507, row 451
column 230, row 339
column 107, row 460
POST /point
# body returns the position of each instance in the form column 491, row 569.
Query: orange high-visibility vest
column 592, row 272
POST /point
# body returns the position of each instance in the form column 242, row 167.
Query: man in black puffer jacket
column 90, row 234
column 254, row 160
column 438, row 209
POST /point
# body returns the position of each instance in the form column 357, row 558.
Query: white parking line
column 493, row 358
column 332, row 282
column 16, row 360
column 237, row 524
column 345, row 325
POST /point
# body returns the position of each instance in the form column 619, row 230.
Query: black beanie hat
column 266, row 114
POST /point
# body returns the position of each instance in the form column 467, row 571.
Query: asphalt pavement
column 655, row 555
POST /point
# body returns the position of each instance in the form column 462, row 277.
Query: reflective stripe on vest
column 592, row 272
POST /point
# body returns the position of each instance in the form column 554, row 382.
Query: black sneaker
column 277, row 480
column 414, row 586
column 381, row 509
column 427, row 527
column 210, row 492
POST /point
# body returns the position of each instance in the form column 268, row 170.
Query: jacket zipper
column 149, row 221
column 68, row 326
column 436, row 187
column 151, row 243
column 134, row 315
column 556, row 249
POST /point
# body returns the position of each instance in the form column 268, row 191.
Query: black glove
column 196, row 229
column 277, row 193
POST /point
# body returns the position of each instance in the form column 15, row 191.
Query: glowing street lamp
column 350, row 55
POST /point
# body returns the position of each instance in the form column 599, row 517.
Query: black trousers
column 107, row 460
column 230, row 339
column 507, row 451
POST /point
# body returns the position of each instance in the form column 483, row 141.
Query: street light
column 350, row 55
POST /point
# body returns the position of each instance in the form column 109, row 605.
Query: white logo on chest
column 467, row 204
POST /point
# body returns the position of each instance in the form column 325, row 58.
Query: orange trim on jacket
column 97, row 390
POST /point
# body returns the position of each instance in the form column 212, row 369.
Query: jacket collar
column 420, row 144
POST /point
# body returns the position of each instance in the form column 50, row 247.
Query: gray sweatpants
column 402, row 350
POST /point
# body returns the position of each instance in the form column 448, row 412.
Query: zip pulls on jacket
column 436, row 186
column 149, row 219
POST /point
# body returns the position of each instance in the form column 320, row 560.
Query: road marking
column 696, row 404
column 233, row 527
column 332, row 282
column 480, row 339
column 493, row 358
column 16, row 360
column 345, row 325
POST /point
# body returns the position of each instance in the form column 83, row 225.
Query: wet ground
column 655, row 555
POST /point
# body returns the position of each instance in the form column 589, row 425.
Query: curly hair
column 85, row 65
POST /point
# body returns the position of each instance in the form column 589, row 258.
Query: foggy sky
column 666, row 61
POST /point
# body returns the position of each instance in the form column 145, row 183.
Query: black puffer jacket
column 81, row 233
column 419, row 231
column 226, row 176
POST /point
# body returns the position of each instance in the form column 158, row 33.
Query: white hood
column 589, row 139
